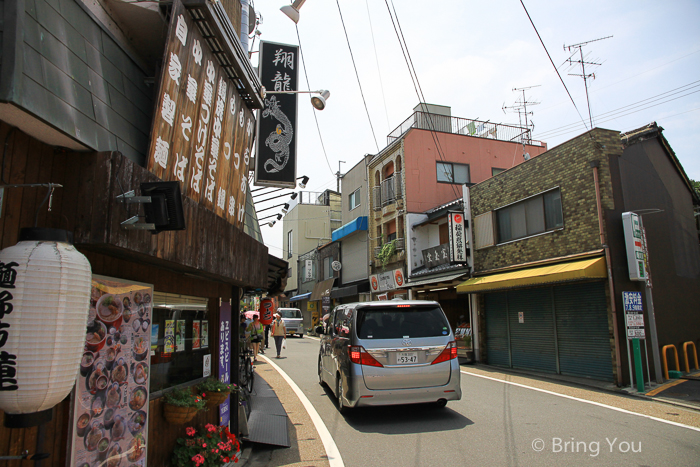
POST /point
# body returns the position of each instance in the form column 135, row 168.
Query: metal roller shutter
column 497, row 348
column 582, row 331
column 532, row 341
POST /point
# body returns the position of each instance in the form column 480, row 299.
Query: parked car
column 388, row 353
column 293, row 320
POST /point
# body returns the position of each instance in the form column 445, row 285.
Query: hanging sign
column 202, row 130
column 110, row 398
column 267, row 310
column 388, row 280
column 276, row 161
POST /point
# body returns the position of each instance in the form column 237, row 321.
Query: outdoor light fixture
column 293, row 10
column 304, row 181
column 285, row 208
column 271, row 223
column 294, row 195
column 319, row 102
column 46, row 286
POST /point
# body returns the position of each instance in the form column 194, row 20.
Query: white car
column 293, row 320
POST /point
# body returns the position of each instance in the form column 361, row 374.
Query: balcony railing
column 463, row 126
column 400, row 246
column 388, row 192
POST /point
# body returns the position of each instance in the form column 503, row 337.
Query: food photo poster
column 110, row 400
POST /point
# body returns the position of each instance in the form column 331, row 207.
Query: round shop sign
column 398, row 276
column 375, row 284
column 335, row 265
column 458, row 218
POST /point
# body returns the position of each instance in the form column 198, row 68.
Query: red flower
column 190, row 431
column 210, row 428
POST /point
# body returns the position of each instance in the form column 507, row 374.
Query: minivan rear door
column 405, row 340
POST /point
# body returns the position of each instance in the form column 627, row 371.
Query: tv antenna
column 520, row 106
column 583, row 64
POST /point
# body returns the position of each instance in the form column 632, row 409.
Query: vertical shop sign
column 225, row 359
column 110, row 399
column 202, row 130
column 458, row 244
column 275, row 164
column 636, row 257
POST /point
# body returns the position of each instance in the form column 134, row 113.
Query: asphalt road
column 503, row 424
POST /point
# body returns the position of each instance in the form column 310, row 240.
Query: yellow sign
column 311, row 306
column 314, row 318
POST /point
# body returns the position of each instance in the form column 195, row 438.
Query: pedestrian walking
column 242, row 327
column 256, row 335
column 279, row 331
column 267, row 335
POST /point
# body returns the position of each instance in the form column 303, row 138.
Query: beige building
column 306, row 226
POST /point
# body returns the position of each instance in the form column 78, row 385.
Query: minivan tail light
column 448, row 353
column 359, row 355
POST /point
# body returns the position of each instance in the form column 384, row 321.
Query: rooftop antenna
column 583, row 64
column 520, row 106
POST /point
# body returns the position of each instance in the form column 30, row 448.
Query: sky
column 470, row 56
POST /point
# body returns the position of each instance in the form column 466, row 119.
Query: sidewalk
column 306, row 447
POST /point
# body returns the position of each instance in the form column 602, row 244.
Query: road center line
column 617, row 409
column 334, row 458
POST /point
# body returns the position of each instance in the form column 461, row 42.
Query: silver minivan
column 293, row 320
column 387, row 353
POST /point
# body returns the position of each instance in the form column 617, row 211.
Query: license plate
column 404, row 358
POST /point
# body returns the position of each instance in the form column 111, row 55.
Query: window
column 532, row 216
column 289, row 244
column 327, row 270
column 354, row 199
column 179, row 339
column 496, row 171
column 448, row 172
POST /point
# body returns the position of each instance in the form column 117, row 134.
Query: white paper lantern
column 45, row 288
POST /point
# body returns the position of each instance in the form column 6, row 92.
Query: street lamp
column 304, row 181
column 293, row 10
column 319, row 102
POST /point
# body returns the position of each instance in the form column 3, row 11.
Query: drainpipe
column 244, row 25
column 594, row 165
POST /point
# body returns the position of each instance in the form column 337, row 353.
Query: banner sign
column 202, row 130
column 275, row 160
column 225, row 359
column 110, row 399
column 458, row 242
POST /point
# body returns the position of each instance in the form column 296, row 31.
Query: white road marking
column 334, row 458
column 582, row 400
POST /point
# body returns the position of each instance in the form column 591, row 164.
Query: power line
column 376, row 59
column 303, row 63
column 357, row 75
column 627, row 109
column 416, row 83
column 552, row 62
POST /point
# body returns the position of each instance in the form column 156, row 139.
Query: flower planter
column 179, row 415
column 216, row 398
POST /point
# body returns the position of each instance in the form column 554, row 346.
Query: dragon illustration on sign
column 279, row 139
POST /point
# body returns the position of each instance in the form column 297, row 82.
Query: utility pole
column 583, row 64
column 521, row 108
column 337, row 176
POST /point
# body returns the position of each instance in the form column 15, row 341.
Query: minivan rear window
column 396, row 323
column 290, row 313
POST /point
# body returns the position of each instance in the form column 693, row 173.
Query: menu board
column 110, row 399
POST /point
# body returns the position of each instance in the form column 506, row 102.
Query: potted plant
column 214, row 446
column 214, row 392
column 385, row 252
column 181, row 405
